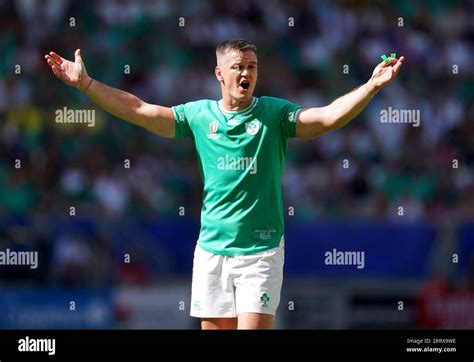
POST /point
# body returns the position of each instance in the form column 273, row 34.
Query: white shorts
column 225, row 286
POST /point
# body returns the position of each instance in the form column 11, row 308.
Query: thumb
column 77, row 55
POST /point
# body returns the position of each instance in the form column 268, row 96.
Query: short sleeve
column 181, row 122
column 289, row 113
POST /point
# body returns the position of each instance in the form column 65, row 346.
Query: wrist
column 85, row 84
column 371, row 89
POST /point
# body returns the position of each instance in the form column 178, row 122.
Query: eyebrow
column 237, row 63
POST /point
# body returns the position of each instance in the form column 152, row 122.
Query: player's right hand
column 71, row 73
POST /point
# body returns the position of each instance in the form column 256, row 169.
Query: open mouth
column 245, row 84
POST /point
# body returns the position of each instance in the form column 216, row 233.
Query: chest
column 238, row 134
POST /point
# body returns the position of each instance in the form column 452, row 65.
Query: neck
column 232, row 104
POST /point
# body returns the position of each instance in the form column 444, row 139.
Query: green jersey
column 241, row 155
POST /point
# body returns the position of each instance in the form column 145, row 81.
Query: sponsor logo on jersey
column 213, row 126
column 265, row 234
column 252, row 127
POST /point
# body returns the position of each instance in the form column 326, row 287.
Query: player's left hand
column 384, row 73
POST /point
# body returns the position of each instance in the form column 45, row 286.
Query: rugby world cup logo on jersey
column 213, row 126
column 252, row 127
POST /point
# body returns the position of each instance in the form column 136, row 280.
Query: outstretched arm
column 313, row 122
column 126, row 106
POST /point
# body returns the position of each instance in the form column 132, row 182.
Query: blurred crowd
column 310, row 52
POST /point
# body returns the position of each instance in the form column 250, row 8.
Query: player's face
column 237, row 72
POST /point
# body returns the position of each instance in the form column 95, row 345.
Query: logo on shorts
column 197, row 305
column 264, row 298
column 213, row 128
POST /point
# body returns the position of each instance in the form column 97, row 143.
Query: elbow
column 310, row 134
column 332, row 123
column 142, row 112
column 313, row 131
column 331, row 120
column 317, row 123
column 141, row 108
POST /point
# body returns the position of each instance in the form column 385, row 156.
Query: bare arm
column 313, row 122
column 126, row 106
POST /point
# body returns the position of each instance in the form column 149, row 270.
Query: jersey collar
column 242, row 112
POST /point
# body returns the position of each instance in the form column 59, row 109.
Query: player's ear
column 218, row 73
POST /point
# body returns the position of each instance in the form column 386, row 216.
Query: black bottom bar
column 157, row 345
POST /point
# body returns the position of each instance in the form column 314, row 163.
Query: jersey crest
column 252, row 127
